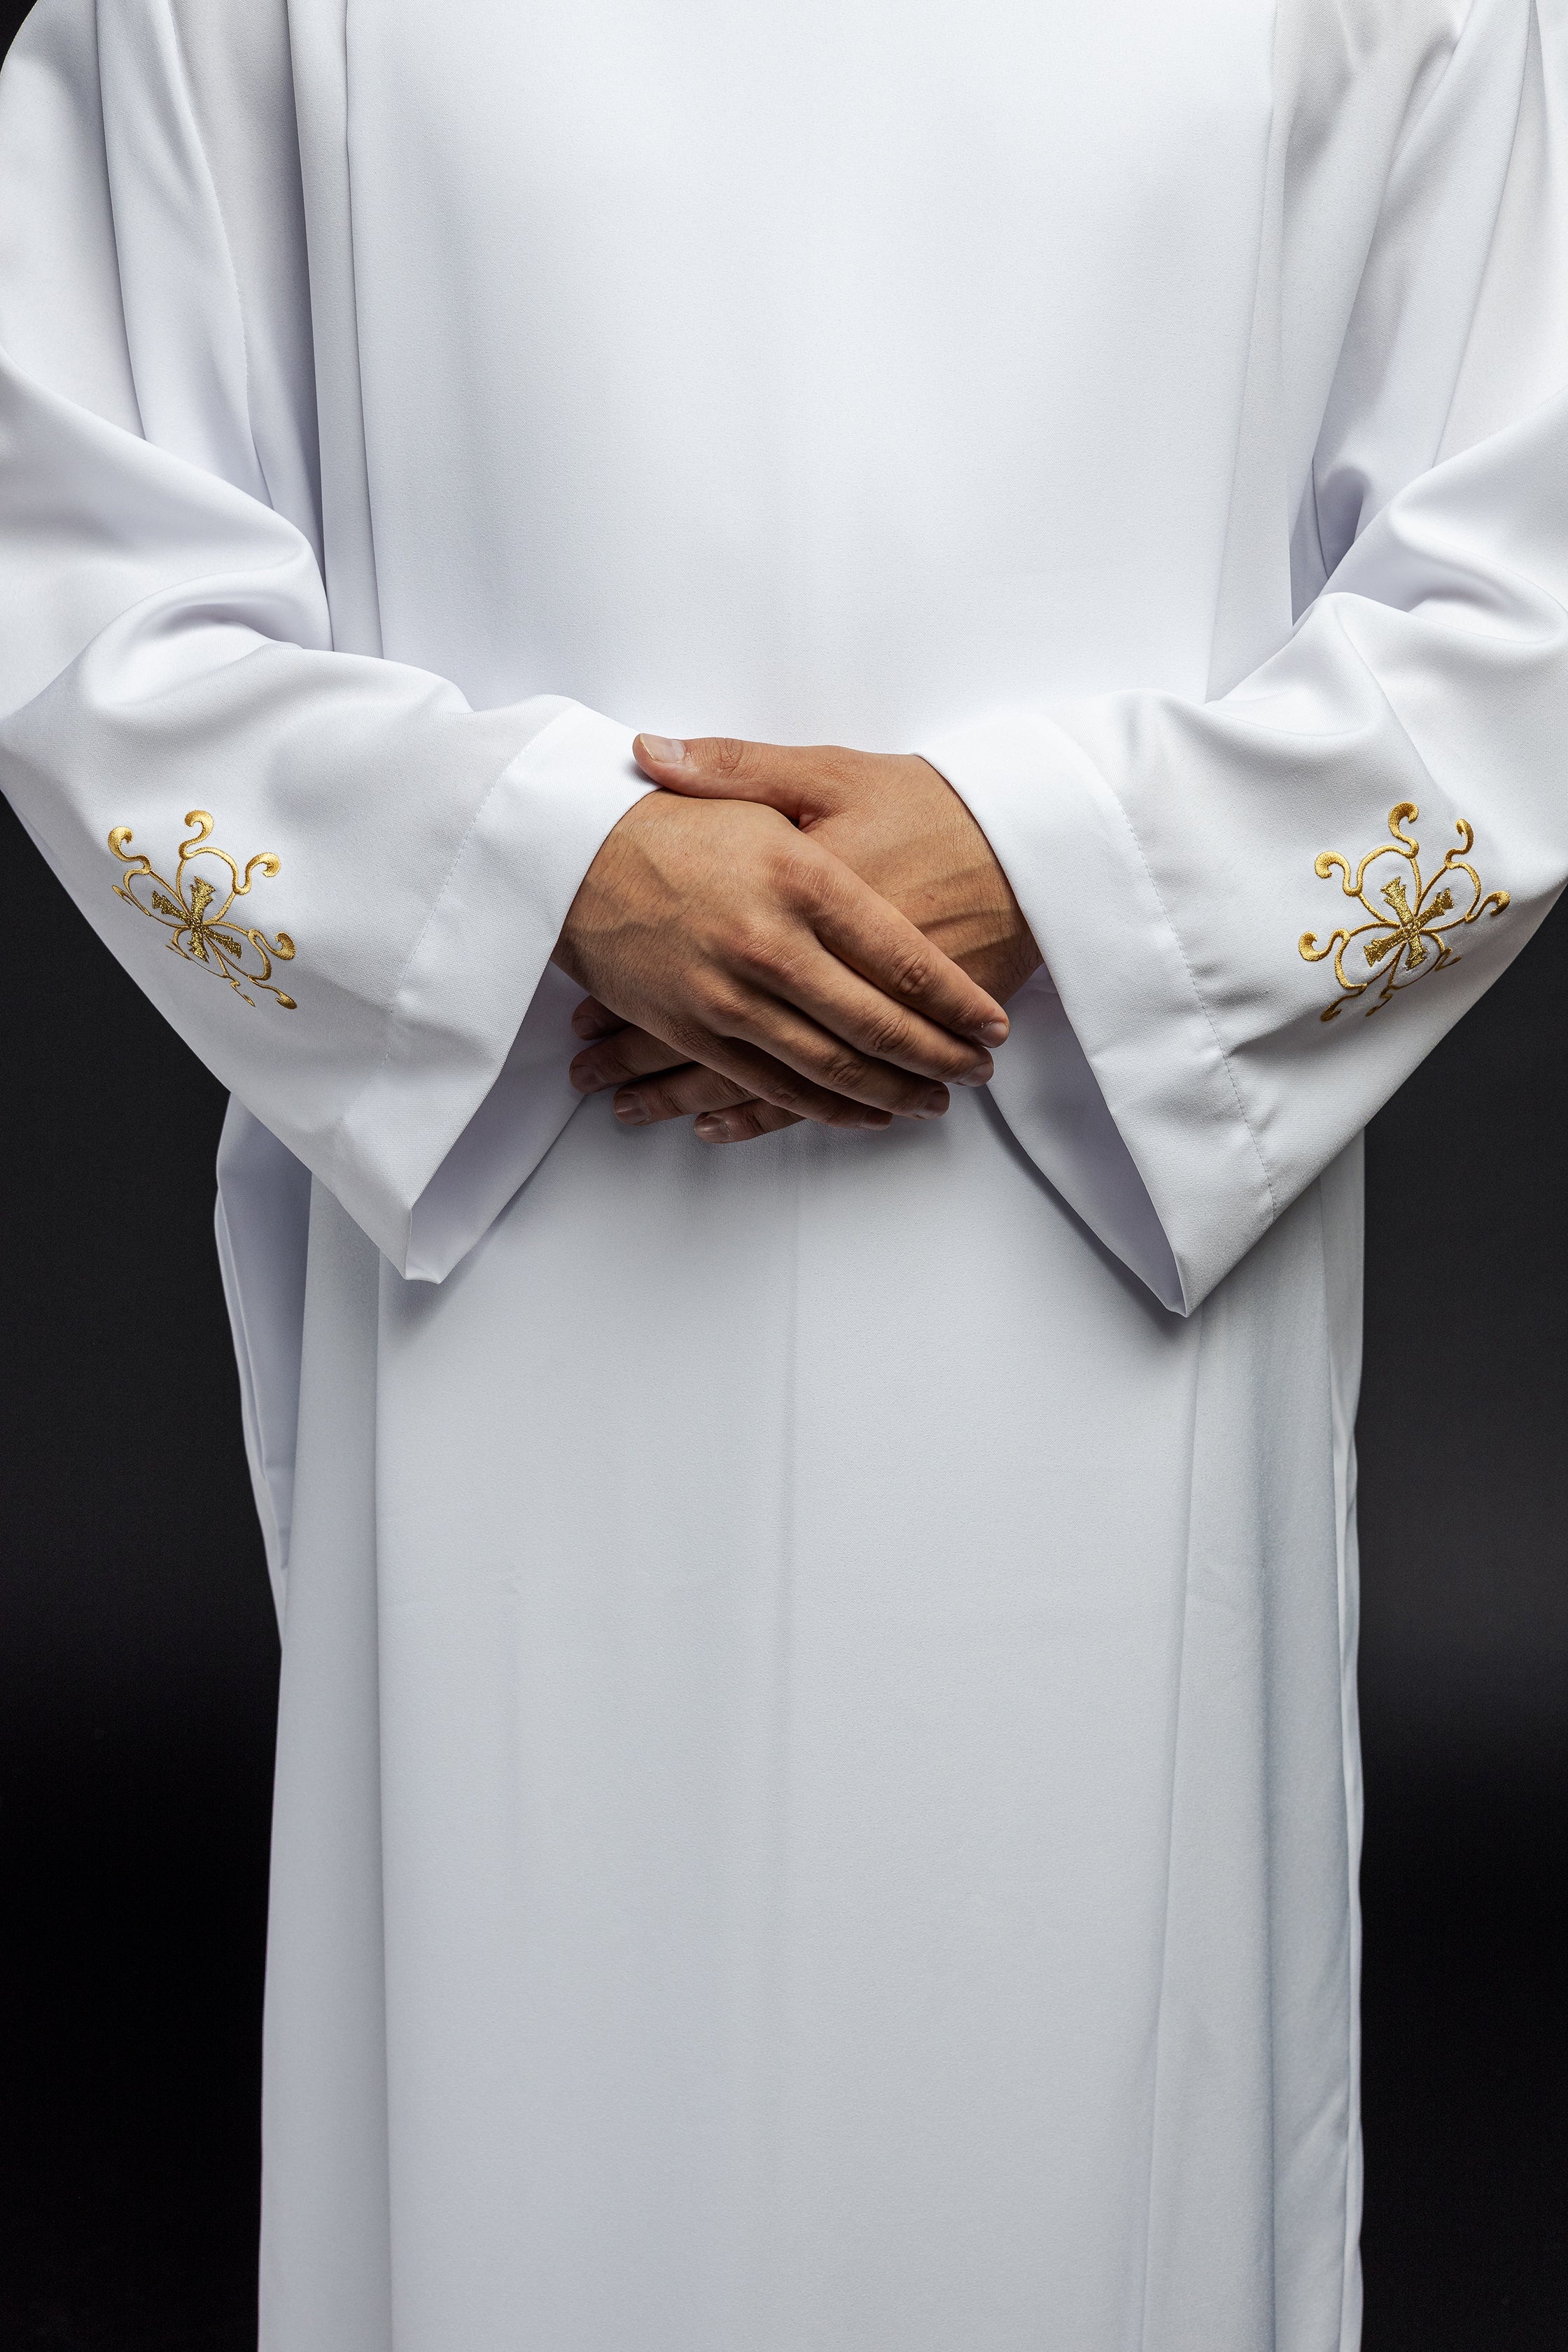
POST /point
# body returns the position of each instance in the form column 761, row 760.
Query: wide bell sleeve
column 340, row 883
column 1259, row 913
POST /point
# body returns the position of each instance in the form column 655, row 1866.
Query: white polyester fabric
column 817, row 1800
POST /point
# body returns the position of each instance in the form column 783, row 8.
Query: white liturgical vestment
column 817, row 1800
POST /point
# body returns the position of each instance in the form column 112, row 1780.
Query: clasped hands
column 783, row 934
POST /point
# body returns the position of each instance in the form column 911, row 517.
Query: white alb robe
column 817, row 1799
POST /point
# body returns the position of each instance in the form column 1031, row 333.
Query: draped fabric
column 817, row 1799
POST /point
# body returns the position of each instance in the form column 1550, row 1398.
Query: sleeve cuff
column 1128, row 992
column 456, row 1031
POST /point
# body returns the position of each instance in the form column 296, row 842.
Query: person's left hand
column 901, row 828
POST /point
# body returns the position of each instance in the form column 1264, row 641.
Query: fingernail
column 981, row 1075
column 580, row 1076
column 933, row 1103
column 994, row 1033
column 667, row 750
column 712, row 1129
column 631, row 1111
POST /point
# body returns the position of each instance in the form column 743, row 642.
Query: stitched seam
column 1408, row 131
column 359, row 356
column 1202, row 1008
column 1175, row 1750
column 1530, row 40
column 1245, row 406
column 392, row 1016
column 114, row 224
column 231, row 272
column 1345, row 1519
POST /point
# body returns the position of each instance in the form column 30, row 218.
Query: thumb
column 722, row 768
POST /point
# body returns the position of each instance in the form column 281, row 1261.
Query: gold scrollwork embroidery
column 203, row 930
column 1411, row 937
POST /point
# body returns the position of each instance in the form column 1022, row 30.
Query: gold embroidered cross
column 1412, row 928
column 210, row 938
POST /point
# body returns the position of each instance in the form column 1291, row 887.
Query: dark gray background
column 138, row 1671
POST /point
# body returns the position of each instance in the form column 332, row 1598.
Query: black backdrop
column 138, row 1670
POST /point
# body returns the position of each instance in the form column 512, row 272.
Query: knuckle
column 723, row 1008
column 911, row 972
column 756, row 945
column 842, row 1069
column 800, row 874
column 888, row 1034
column 693, row 1042
column 728, row 755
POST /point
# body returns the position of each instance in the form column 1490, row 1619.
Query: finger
column 869, row 1022
column 823, row 1057
column 746, row 1121
column 630, row 1053
column 679, row 1094
column 864, row 931
column 785, row 776
column 695, row 1086
column 786, row 1088
column 592, row 1019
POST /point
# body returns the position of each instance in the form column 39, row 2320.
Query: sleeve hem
column 1126, row 986
column 469, row 981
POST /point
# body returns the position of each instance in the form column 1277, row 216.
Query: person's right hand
column 723, row 930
